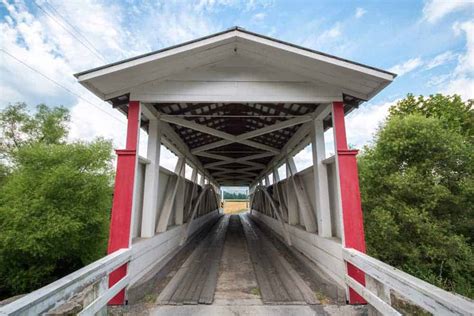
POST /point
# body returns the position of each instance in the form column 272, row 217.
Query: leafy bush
column 55, row 199
column 417, row 190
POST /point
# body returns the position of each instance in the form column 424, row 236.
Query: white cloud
column 434, row 10
column 461, row 79
column 407, row 66
column 304, row 158
column 466, row 61
column 463, row 86
column 326, row 40
column 331, row 33
column 88, row 122
column 363, row 123
column 361, row 126
column 172, row 23
column 246, row 5
column 259, row 16
column 360, row 12
column 42, row 42
column 440, row 60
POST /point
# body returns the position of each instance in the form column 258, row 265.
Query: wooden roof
column 235, row 100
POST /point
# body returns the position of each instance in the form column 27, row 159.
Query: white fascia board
column 158, row 55
column 316, row 56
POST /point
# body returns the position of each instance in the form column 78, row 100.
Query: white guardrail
column 58, row 292
column 382, row 278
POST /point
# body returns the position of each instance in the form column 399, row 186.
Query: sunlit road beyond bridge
column 236, row 107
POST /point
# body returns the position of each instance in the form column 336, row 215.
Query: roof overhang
column 351, row 78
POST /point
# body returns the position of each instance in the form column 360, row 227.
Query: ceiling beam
column 228, row 138
column 261, row 131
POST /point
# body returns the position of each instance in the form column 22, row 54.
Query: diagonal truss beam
column 227, row 160
column 228, row 138
column 261, row 131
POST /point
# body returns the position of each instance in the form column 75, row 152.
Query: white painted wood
column 205, row 91
column 119, row 79
column 58, row 292
column 298, row 140
column 276, row 176
column 173, row 141
column 371, row 298
column 278, row 213
column 152, row 179
column 337, row 183
column 258, row 132
column 180, row 195
column 136, row 220
column 293, row 213
column 380, row 290
column 214, row 132
column 324, row 252
column 186, row 228
column 329, row 160
column 227, row 160
column 172, row 188
column 425, row 295
column 137, row 198
column 321, row 194
column 308, row 217
column 102, row 300
column 268, row 43
column 149, row 252
column 193, row 191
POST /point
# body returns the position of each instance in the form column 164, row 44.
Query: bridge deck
column 274, row 278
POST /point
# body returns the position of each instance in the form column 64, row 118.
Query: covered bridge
column 236, row 106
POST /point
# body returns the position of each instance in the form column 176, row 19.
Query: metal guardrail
column 58, row 292
column 382, row 278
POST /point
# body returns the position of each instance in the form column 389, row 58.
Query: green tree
column 417, row 191
column 19, row 128
column 55, row 199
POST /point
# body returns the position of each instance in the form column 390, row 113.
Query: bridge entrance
column 236, row 107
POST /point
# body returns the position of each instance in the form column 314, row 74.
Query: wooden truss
column 235, row 142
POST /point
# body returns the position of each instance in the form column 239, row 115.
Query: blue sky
column 430, row 44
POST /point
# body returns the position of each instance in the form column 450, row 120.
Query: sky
column 429, row 44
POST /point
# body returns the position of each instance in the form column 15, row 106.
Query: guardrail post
column 348, row 182
column 122, row 204
column 380, row 289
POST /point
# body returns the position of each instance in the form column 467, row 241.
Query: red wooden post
column 350, row 197
column 123, row 197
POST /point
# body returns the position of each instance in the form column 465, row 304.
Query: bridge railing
column 382, row 279
column 60, row 291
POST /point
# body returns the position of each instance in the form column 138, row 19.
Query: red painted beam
column 120, row 221
column 354, row 236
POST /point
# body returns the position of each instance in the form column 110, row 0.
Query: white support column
column 321, row 194
column 180, row 194
column 267, row 180
column 152, row 174
column 293, row 212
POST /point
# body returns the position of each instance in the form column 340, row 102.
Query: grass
column 235, row 206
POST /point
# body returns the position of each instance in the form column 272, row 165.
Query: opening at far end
column 235, row 199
